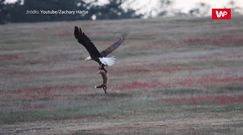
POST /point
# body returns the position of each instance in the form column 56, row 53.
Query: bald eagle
column 100, row 57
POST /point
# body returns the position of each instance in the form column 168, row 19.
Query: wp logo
column 221, row 14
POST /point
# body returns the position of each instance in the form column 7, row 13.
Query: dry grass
column 173, row 76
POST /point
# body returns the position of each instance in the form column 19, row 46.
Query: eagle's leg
column 103, row 73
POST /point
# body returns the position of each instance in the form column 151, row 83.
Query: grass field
column 172, row 76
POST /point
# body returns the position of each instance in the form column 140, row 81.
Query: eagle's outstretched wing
column 86, row 42
column 115, row 45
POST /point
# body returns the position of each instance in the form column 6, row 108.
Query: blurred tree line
column 18, row 11
column 114, row 9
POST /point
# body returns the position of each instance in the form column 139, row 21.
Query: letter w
column 220, row 14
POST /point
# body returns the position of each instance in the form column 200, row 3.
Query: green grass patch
column 231, row 88
column 174, row 92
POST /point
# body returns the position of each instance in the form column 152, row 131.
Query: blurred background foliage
column 16, row 12
column 113, row 9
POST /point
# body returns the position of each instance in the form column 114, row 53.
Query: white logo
column 221, row 13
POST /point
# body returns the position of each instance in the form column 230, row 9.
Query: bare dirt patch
column 9, row 57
